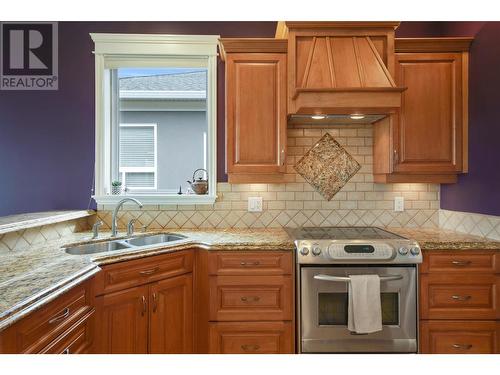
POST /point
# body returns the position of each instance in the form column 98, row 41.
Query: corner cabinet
column 256, row 119
column 426, row 141
column 146, row 305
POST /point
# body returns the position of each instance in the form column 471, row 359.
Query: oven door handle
column 346, row 279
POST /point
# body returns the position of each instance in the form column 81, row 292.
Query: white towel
column 364, row 310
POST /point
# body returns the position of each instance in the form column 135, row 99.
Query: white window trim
column 153, row 169
column 144, row 50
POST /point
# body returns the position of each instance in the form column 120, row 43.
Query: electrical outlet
column 399, row 204
column 254, row 204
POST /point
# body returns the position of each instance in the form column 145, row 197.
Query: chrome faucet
column 95, row 229
column 115, row 212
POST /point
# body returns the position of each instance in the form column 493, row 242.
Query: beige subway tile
column 223, row 186
column 368, row 159
column 374, row 196
column 231, row 196
column 299, row 178
column 295, row 150
column 364, row 186
column 348, row 132
column 266, row 195
column 239, row 205
column 303, row 196
column 384, row 205
column 418, row 187
column 348, row 205
column 333, row 132
column 312, row 205
column 367, row 132
column 294, row 205
column 305, row 141
column 330, row 205
column 355, row 141
column 312, row 132
column 240, row 187
column 168, row 207
column 342, row 141
column 295, row 132
column 353, row 150
column 410, row 195
column 366, row 205
column 430, row 195
column 355, row 196
column 291, row 142
column 276, row 205
column 368, row 141
column 368, row 177
column 258, row 187
column 276, row 187
column 350, row 186
column 359, row 177
column 317, row 196
column 433, row 187
column 390, row 195
column 382, row 187
column 285, row 196
column 420, row 205
column 294, row 187
column 400, row 187
column 366, row 150
column 340, row 196
column 434, row 205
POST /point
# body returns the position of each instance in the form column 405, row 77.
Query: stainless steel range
column 326, row 257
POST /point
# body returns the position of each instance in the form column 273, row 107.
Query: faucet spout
column 114, row 230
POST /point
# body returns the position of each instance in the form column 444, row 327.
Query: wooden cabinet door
column 255, row 113
column 428, row 133
column 171, row 315
column 124, row 322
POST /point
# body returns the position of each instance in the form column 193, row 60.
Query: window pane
column 175, row 100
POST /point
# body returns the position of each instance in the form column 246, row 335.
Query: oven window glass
column 332, row 308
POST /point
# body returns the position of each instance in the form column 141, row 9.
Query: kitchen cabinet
column 155, row 315
column 65, row 325
column 459, row 302
column 256, row 120
column 245, row 302
column 426, row 140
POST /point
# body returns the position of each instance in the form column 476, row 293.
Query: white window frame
column 124, row 170
column 113, row 51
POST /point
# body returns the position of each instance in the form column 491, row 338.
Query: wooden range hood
column 341, row 68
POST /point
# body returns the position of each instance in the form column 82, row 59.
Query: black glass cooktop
column 342, row 233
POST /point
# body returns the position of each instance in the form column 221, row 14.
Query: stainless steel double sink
column 124, row 243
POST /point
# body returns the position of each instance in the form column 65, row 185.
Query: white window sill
column 158, row 199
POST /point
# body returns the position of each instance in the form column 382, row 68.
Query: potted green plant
column 116, row 187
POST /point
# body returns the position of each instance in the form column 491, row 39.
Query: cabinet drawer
column 459, row 337
column 448, row 296
column 38, row 329
column 76, row 340
column 137, row 272
column 251, row 298
column 250, row 263
column 461, row 262
column 251, row 337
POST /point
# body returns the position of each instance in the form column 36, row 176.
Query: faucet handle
column 130, row 227
column 95, row 229
column 144, row 228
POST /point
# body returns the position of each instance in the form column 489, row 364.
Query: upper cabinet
column 426, row 140
column 256, row 118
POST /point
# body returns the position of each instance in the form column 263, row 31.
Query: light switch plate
column 254, row 204
column 399, row 204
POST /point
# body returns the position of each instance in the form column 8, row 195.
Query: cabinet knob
column 250, row 299
column 461, row 298
column 462, row 346
column 250, row 348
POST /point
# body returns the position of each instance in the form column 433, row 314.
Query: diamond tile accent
column 327, row 166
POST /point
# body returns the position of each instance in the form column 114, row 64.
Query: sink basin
column 131, row 243
column 100, row 247
column 154, row 239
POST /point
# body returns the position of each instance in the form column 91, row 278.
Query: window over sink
column 155, row 117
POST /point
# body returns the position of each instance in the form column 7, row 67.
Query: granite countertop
column 439, row 239
column 31, row 278
column 34, row 277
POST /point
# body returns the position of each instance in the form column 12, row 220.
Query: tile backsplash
column 295, row 203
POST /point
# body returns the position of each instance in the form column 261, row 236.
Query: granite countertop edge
column 92, row 264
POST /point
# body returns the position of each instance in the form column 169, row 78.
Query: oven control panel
column 325, row 252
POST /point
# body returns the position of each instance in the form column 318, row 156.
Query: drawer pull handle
column 461, row 298
column 250, row 348
column 461, row 263
column 250, row 299
column 462, row 346
column 65, row 351
column 149, row 272
column 144, row 306
column 58, row 318
column 254, row 263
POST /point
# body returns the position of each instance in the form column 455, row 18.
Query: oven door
column 324, row 303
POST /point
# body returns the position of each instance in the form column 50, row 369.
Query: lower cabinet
column 251, row 338
column 459, row 302
column 460, row 337
column 156, row 317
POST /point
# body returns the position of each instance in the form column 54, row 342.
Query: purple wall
column 47, row 137
column 479, row 190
